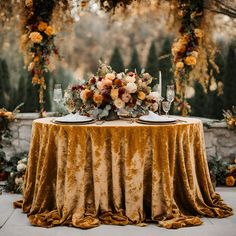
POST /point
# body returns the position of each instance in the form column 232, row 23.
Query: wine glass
column 166, row 107
column 170, row 93
column 57, row 93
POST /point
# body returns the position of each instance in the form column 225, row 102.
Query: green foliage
column 15, row 176
column 4, row 85
column 134, row 62
column 218, row 168
column 21, row 89
column 230, row 77
column 152, row 63
column 198, row 102
column 116, row 61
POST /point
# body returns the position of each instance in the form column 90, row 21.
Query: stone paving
column 14, row 223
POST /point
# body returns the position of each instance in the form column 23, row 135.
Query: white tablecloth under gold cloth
column 119, row 173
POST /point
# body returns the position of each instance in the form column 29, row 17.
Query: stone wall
column 21, row 133
column 221, row 141
column 218, row 138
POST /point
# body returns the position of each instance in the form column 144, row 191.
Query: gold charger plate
column 156, row 123
column 73, row 123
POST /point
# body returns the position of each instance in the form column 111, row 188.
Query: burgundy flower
column 121, row 91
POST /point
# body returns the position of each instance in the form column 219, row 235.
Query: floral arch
column 192, row 49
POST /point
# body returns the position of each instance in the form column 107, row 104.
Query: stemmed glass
column 57, row 93
column 57, row 96
column 166, row 107
column 170, row 93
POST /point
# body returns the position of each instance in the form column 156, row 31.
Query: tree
column 134, row 62
column 198, row 102
column 152, row 63
column 31, row 103
column 116, row 61
column 4, row 85
column 230, row 78
column 165, row 64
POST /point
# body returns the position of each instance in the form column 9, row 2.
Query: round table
column 119, row 173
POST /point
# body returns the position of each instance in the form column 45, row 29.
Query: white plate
column 152, row 117
column 73, row 118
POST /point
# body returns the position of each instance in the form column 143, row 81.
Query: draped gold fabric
column 119, row 173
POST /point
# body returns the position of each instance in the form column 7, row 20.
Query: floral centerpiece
column 107, row 94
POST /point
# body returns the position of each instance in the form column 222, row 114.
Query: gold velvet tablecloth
column 119, row 173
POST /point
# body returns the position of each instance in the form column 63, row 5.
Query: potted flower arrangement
column 107, row 94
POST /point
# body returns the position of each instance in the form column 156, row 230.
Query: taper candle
column 160, row 83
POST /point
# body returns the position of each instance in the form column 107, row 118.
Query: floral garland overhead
column 37, row 41
column 185, row 49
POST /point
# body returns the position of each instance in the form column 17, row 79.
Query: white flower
column 119, row 76
column 154, row 106
column 110, row 76
column 21, row 167
column 154, row 96
column 131, row 87
column 100, row 85
column 119, row 103
column 130, row 79
column 18, row 181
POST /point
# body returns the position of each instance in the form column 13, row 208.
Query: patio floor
column 15, row 223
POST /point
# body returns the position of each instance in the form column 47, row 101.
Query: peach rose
column 114, row 94
column 36, row 37
column 141, row 95
column 42, row 26
column 110, row 76
column 49, row 31
column 97, row 98
column 198, row 33
column 190, row 61
column 31, row 66
column 195, row 54
column 119, row 103
column 29, row 3
column 106, row 83
column 179, row 65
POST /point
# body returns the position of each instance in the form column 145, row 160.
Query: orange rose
column 35, row 80
column 49, row 31
column 36, row 37
column 85, row 94
column 118, row 82
column 141, row 95
column 190, row 61
column 230, row 181
column 97, row 98
column 42, row 26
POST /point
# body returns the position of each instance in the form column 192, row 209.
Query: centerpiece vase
column 112, row 116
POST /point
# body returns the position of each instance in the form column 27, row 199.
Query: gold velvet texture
column 86, row 175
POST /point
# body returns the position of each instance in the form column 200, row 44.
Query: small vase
column 112, row 116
